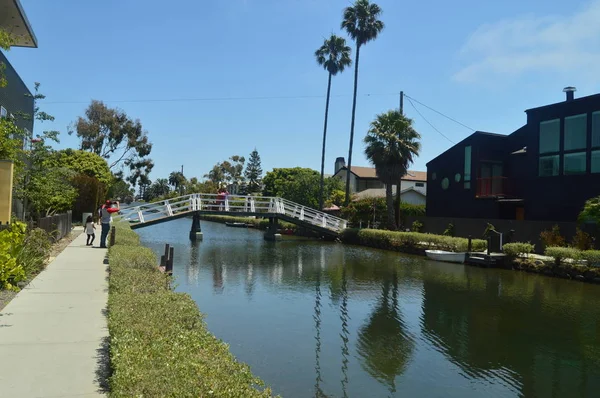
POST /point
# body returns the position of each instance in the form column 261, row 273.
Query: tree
column 217, row 174
column 391, row 145
column 334, row 57
column 253, row 172
column 228, row 172
column 362, row 24
column 83, row 162
column 299, row 185
column 159, row 188
column 177, row 180
column 6, row 41
column 122, row 191
column 111, row 134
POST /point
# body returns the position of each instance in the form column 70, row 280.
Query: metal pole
column 402, row 102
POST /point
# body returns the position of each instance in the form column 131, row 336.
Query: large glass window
column 467, row 173
column 574, row 163
column 548, row 166
column 595, row 129
column 576, row 132
column 550, row 136
column 595, row 161
column 3, row 112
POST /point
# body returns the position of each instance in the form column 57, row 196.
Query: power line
column 432, row 126
column 439, row 113
column 207, row 99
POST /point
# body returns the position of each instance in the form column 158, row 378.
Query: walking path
column 53, row 335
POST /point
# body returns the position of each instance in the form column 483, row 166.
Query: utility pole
column 181, row 169
column 399, row 186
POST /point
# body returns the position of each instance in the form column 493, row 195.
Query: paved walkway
column 53, row 333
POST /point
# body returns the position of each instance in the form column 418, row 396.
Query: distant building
column 543, row 171
column 364, row 183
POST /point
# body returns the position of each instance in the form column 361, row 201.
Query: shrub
column 449, row 231
column 417, row 226
column 488, row 229
column 369, row 210
column 408, row 241
column 582, row 240
column 11, row 244
column 591, row 211
column 160, row 346
column 517, row 249
column 552, row 237
column 562, row 253
column 35, row 251
column 592, row 257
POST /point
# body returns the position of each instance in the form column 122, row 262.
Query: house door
column 520, row 213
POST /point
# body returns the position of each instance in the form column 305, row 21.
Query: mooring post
column 112, row 237
column 169, row 266
column 489, row 244
column 196, row 231
column 166, row 255
column 470, row 245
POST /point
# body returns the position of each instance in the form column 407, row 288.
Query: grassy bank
column 260, row 223
column 408, row 242
column 159, row 343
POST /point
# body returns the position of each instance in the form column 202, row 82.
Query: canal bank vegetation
column 260, row 223
column 409, row 242
column 159, row 343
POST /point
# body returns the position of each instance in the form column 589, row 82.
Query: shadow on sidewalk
column 103, row 369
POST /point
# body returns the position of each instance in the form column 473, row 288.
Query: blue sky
column 482, row 63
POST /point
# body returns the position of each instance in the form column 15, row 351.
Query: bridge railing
column 255, row 205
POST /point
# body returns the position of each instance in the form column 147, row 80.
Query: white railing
column 255, row 205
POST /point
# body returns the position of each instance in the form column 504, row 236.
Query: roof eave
column 29, row 40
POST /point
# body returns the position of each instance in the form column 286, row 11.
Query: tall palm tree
column 362, row 24
column 391, row 146
column 334, row 57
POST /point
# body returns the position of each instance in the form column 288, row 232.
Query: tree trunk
column 389, row 198
column 349, row 165
column 321, row 192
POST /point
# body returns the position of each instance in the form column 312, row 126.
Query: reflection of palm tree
column 345, row 332
column 383, row 342
column 217, row 277
column 317, row 318
column 193, row 270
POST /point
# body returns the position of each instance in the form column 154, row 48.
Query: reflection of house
column 545, row 170
column 362, row 179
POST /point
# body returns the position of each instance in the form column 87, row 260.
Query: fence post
column 112, row 236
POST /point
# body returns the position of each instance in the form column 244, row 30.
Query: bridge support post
column 271, row 232
column 196, row 231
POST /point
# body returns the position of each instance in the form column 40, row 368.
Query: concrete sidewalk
column 53, row 335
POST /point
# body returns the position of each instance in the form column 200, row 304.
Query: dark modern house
column 544, row 171
column 15, row 97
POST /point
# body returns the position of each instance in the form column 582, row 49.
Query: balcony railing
column 493, row 187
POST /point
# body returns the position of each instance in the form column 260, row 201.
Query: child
column 89, row 230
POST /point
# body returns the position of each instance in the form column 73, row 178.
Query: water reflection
column 322, row 319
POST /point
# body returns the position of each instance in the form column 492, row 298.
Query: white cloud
column 534, row 44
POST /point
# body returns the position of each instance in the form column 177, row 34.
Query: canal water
column 318, row 319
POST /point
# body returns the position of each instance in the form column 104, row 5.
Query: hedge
column 159, row 343
column 260, row 223
column 409, row 241
column 517, row 249
column 592, row 257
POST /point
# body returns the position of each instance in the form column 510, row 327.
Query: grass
column 408, row 241
column 159, row 343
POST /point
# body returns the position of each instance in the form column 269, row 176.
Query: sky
column 212, row 79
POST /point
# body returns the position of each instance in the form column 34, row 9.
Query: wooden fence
column 57, row 226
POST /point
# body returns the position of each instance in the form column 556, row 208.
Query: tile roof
column 380, row 193
column 369, row 172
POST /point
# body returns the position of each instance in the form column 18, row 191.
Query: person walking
column 89, row 230
column 105, row 217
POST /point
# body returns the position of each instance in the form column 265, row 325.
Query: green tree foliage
column 299, row 185
column 230, row 171
column 591, row 211
column 159, row 188
column 217, row 174
column 90, row 195
column 374, row 210
column 51, row 192
column 177, row 181
column 361, row 22
column 122, row 191
column 195, row 186
column 111, row 134
column 11, row 142
column 391, row 146
column 334, row 57
column 5, row 43
column 253, row 173
column 83, row 162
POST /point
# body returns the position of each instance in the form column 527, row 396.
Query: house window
column 576, row 132
column 595, row 129
column 550, row 136
column 548, row 166
column 3, row 112
column 467, row 173
column 445, row 183
column 457, row 177
column 595, row 161
column 420, row 184
column 574, row 163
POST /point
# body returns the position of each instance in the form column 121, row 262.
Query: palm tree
column 334, row 57
column 361, row 23
column 177, row 180
column 391, row 146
